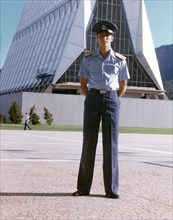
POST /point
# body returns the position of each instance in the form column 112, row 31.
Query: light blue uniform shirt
column 104, row 73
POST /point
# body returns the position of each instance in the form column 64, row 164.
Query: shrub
column 15, row 113
column 48, row 116
column 2, row 119
column 34, row 119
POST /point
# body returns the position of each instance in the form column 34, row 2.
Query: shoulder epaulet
column 120, row 56
column 88, row 53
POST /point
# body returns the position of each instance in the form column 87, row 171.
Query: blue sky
column 160, row 15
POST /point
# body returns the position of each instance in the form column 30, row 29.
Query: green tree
column 168, row 86
column 15, row 113
column 2, row 119
column 34, row 119
column 48, row 117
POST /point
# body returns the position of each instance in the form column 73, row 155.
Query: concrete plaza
column 39, row 173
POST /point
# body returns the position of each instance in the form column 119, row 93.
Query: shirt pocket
column 111, row 69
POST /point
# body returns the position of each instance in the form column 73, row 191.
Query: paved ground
column 39, row 173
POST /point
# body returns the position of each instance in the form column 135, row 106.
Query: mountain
column 165, row 59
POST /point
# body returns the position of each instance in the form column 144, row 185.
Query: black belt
column 101, row 91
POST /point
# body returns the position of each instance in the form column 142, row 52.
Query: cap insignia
column 103, row 27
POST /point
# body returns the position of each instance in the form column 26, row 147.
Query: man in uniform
column 103, row 79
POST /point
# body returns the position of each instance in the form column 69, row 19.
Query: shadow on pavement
column 44, row 194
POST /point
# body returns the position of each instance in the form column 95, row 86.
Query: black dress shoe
column 112, row 196
column 80, row 193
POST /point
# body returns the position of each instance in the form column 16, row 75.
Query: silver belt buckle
column 102, row 91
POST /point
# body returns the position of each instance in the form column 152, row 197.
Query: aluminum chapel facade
column 51, row 38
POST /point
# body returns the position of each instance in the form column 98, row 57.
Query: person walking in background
column 26, row 125
column 103, row 78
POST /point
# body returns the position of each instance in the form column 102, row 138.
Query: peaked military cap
column 104, row 26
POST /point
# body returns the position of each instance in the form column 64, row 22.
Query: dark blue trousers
column 105, row 108
column 26, row 125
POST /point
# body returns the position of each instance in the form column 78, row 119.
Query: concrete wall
column 68, row 109
column 6, row 101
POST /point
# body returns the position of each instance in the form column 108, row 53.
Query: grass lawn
column 79, row 128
